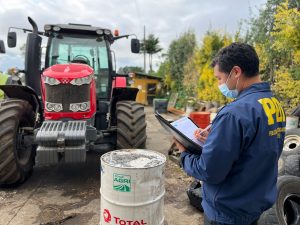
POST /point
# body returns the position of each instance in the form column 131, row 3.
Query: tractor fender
column 121, row 94
column 125, row 93
column 24, row 93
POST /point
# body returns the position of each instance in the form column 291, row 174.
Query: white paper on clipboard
column 187, row 127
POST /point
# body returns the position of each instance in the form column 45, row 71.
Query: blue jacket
column 239, row 159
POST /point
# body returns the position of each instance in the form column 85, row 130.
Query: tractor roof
column 76, row 28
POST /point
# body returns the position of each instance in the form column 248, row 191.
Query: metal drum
column 132, row 187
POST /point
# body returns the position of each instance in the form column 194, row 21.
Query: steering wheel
column 81, row 59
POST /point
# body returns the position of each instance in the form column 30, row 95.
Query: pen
column 205, row 129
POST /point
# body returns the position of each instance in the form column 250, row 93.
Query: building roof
column 147, row 75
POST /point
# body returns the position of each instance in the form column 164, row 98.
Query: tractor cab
column 84, row 44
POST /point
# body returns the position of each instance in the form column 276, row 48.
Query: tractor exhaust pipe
column 33, row 58
column 34, row 26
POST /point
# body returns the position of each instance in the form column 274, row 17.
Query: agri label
column 122, row 182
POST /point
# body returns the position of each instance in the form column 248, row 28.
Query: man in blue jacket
column 238, row 164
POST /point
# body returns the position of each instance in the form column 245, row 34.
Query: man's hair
column 238, row 54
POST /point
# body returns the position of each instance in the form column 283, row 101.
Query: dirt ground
column 69, row 194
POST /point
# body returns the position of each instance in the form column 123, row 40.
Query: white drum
column 132, row 187
column 292, row 122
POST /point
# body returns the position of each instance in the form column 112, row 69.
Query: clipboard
column 190, row 145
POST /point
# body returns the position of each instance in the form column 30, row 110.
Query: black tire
column 131, row 125
column 289, row 165
column 292, row 165
column 286, row 210
column 291, row 142
column 16, row 150
column 194, row 194
column 281, row 165
column 269, row 217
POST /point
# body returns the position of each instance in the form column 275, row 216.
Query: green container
column 160, row 105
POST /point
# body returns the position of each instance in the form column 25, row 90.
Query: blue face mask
column 226, row 91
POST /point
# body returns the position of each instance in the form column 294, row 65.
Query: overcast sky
column 167, row 19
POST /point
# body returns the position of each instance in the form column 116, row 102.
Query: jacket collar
column 258, row 87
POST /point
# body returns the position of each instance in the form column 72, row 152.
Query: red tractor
column 69, row 107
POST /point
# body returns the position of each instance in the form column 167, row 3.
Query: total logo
column 117, row 220
column 106, row 215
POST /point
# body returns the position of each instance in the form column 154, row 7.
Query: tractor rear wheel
column 131, row 125
column 16, row 149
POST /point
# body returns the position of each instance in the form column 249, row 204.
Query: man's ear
column 237, row 71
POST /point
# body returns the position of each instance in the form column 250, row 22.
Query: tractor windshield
column 81, row 49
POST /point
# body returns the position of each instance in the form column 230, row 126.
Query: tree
column 201, row 80
column 191, row 75
column 180, row 50
column 130, row 69
column 151, row 47
column 286, row 36
column 275, row 34
column 164, row 68
column 259, row 35
column 286, row 89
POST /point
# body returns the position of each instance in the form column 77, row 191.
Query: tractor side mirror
column 135, row 45
column 2, row 47
column 12, row 39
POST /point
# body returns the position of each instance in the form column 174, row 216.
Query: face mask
column 226, row 91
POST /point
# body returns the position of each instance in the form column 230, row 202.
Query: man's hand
column 180, row 147
column 201, row 134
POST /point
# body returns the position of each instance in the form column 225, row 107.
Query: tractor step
column 61, row 141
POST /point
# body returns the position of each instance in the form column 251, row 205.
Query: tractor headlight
column 51, row 81
column 74, row 107
column 47, row 27
column 56, row 28
column 53, row 107
column 83, row 80
column 100, row 32
column 83, row 106
column 107, row 32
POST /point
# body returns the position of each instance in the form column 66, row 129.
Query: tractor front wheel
column 16, row 149
column 131, row 125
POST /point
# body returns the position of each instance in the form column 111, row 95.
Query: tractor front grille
column 67, row 94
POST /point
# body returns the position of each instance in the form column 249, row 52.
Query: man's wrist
column 183, row 154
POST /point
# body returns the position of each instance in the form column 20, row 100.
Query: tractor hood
column 70, row 71
column 69, row 92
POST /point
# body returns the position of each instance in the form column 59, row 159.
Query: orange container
column 202, row 119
